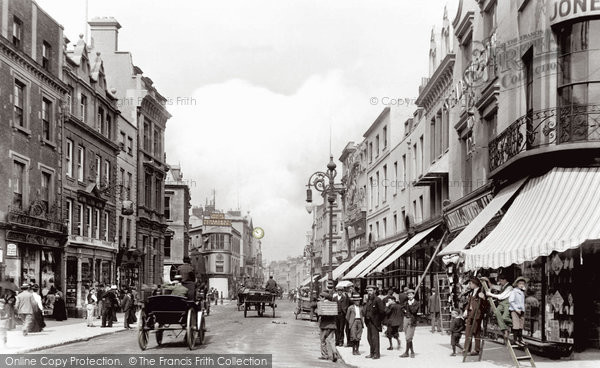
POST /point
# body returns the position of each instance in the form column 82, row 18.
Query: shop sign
column 217, row 222
column 563, row 10
column 463, row 215
column 11, row 250
column 20, row 237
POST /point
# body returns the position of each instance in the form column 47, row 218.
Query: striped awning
column 557, row 211
column 394, row 246
column 307, row 280
column 339, row 271
column 470, row 232
column 373, row 257
column 403, row 249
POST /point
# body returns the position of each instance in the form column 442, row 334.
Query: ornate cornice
column 440, row 80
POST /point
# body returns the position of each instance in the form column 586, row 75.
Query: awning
column 307, row 281
column 470, row 232
column 403, row 249
column 373, row 257
column 394, row 246
column 339, row 271
column 554, row 212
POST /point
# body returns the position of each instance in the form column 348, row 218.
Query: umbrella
column 8, row 285
column 345, row 283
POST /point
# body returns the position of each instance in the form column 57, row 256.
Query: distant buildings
column 177, row 213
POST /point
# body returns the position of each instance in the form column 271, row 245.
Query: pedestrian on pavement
column 3, row 322
column 10, row 298
column 517, row 309
column 502, row 310
column 474, row 312
column 457, row 326
column 343, row 303
column 128, row 309
column 393, row 313
column 38, row 310
column 410, row 310
column 374, row 312
column 24, row 307
column 327, row 324
column 59, row 312
column 402, row 299
column 434, row 312
column 355, row 318
column 100, row 295
column 109, row 303
column 92, row 300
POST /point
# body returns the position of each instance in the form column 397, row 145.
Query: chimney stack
column 105, row 34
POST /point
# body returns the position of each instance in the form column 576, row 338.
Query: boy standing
column 393, row 312
column 457, row 326
column 516, row 302
column 355, row 322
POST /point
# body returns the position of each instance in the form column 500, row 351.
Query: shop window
column 533, row 298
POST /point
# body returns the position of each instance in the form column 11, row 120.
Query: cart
column 171, row 313
column 306, row 307
column 257, row 299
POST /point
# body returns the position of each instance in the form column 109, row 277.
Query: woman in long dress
column 38, row 311
column 60, row 311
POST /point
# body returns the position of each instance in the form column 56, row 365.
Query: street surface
column 293, row 343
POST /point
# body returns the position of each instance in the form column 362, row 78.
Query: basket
column 327, row 308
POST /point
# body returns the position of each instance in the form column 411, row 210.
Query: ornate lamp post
column 324, row 182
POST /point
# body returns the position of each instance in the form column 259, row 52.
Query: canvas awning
column 403, row 249
column 339, row 271
column 470, row 232
column 369, row 260
column 394, row 246
column 554, row 212
column 307, row 280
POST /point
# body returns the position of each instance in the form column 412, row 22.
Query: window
column 97, row 224
column 100, row 124
column 107, row 172
column 376, row 230
column 129, row 184
column 121, row 231
column 467, row 144
column 421, row 161
column 371, row 193
column 130, row 145
column 385, row 141
column 123, row 184
column 69, row 158
column 79, row 219
column 88, row 222
column 384, row 227
column 148, row 190
column 395, row 223
column 395, row 177
column 489, row 19
column 415, row 211
column 445, row 129
column 127, row 233
column 377, row 145
column 157, row 152
column 378, row 185
column 421, row 208
column 370, row 151
column 69, row 205
column 122, row 141
column 83, row 107
column 403, row 171
column 45, row 190
column 98, row 169
column 17, row 32
column 146, row 136
column 157, row 194
column 219, row 266
column 46, row 119
column 70, row 102
column 80, row 160
column 109, row 127
column 385, row 183
column 46, row 54
column 106, row 222
column 404, row 219
column 18, row 184
column 19, row 103
column 167, row 247
column 414, row 163
column 167, row 208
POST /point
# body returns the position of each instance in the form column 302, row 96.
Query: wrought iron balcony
column 555, row 126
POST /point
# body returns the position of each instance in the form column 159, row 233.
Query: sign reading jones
column 563, row 10
column 463, row 215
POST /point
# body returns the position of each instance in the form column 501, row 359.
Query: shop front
column 550, row 234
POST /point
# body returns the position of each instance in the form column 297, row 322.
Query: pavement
column 433, row 350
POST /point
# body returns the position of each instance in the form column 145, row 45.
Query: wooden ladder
column 517, row 359
column 443, row 291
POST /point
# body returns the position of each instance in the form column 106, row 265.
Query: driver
column 176, row 287
column 271, row 285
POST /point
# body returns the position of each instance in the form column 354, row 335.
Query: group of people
column 27, row 307
column 371, row 312
column 103, row 302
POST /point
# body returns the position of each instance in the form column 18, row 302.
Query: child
column 3, row 322
column 393, row 312
column 456, row 328
column 355, row 319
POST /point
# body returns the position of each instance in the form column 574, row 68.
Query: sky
column 256, row 87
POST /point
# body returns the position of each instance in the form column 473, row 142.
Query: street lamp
column 324, row 182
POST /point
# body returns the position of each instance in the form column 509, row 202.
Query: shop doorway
column 587, row 312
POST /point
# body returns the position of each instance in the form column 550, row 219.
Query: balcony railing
column 548, row 127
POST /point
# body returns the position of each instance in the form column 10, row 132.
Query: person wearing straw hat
column 355, row 320
column 374, row 312
column 516, row 301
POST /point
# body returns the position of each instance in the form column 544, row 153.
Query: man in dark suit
column 475, row 311
column 343, row 302
column 327, row 324
column 374, row 312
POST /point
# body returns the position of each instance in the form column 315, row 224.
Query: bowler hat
column 25, row 286
column 520, row 278
column 374, row 287
column 410, row 291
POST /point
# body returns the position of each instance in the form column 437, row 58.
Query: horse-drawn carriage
column 162, row 313
column 257, row 300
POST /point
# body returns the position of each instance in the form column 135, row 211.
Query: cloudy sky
column 256, row 85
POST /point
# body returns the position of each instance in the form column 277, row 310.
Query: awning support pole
column 437, row 249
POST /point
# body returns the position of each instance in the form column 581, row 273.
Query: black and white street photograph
column 299, row 183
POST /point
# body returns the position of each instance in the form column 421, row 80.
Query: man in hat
column 24, row 307
column 186, row 270
column 109, row 303
column 176, row 287
column 354, row 317
column 374, row 312
column 327, row 324
column 474, row 313
column 502, row 310
column 343, row 302
column 516, row 301
column 434, row 312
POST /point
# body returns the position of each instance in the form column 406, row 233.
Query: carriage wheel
column 159, row 336
column 245, row 310
column 191, row 328
column 201, row 333
column 143, row 338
